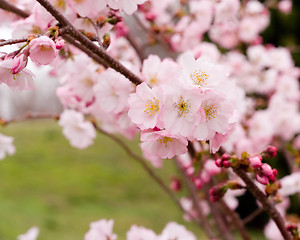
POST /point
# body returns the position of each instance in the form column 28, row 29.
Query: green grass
column 61, row 190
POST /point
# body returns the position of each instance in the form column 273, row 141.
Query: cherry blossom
column 6, row 146
column 42, row 50
column 79, row 132
column 101, row 230
column 31, row 234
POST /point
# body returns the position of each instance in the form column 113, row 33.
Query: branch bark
column 266, row 203
column 100, row 52
column 11, row 8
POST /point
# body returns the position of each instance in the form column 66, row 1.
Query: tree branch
column 11, row 8
column 11, row 41
column 191, row 187
column 100, row 52
column 266, row 203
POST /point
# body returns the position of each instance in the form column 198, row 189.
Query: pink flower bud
column 175, row 184
column 266, row 169
column 226, row 156
column 19, row 63
column 270, row 152
column 255, row 161
column 198, row 183
column 262, row 179
column 59, row 44
column 218, row 162
column 42, row 50
column 121, row 29
column 285, row 6
column 216, row 192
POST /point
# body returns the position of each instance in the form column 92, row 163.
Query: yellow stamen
column 165, row 140
column 182, row 107
column 152, row 106
column 210, row 112
column 199, row 78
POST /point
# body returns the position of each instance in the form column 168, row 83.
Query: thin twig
column 84, row 49
column 151, row 173
column 252, row 215
column 266, row 203
column 73, row 32
column 11, row 8
column 238, row 223
column 11, row 41
column 191, row 187
column 138, row 48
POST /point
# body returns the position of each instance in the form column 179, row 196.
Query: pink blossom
column 163, row 144
column 175, row 231
column 181, row 106
column 101, row 230
column 19, row 63
column 216, row 113
column 112, row 91
column 129, row 6
column 255, row 161
column 59, row 44
column 285, row 6
column 31, row 234
column 290, row 184
column 145, row 106
column 87, row 8
column 22, row 80
column 6, row 146
column 79, row 132
column 157, row 72
column 140, row 233
column 42, row 50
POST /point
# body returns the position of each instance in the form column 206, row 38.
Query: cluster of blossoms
column 230, row 100
column 103, row 230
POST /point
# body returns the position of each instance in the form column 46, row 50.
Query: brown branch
column 84, row 49
column 239, row 224
column 11, row 8
column 11, row 41
column 252, row 215
column 221, row 223
column 138, row 48
column 266, row 203
column 151, row 173
column 100, row 52
column 29, row 116
column 191, row 187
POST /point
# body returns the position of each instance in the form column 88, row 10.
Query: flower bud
column 175, row 184
column 217, row 192
column 19, row 63
column 266, row 169
column 261, row 178
column 198, row 183
column 59, row 44
column 269, row 152
column 255, row 161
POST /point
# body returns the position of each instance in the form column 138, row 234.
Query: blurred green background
column 61, row 190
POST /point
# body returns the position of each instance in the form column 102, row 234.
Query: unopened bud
column 175, row 184
column 263, row 179
column 269, row 152
column 19, row 63
column 266, row 169
column 255, row 161
column 293, row 229
column 106, row 40
column 217, row 192
column 198, row 183
column 59, row 44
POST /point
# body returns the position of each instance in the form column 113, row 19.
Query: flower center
column 165, row 140
column 45, row 48
column 210, row 112
column 152, row 106
column 182, row 107
column 199, row 78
